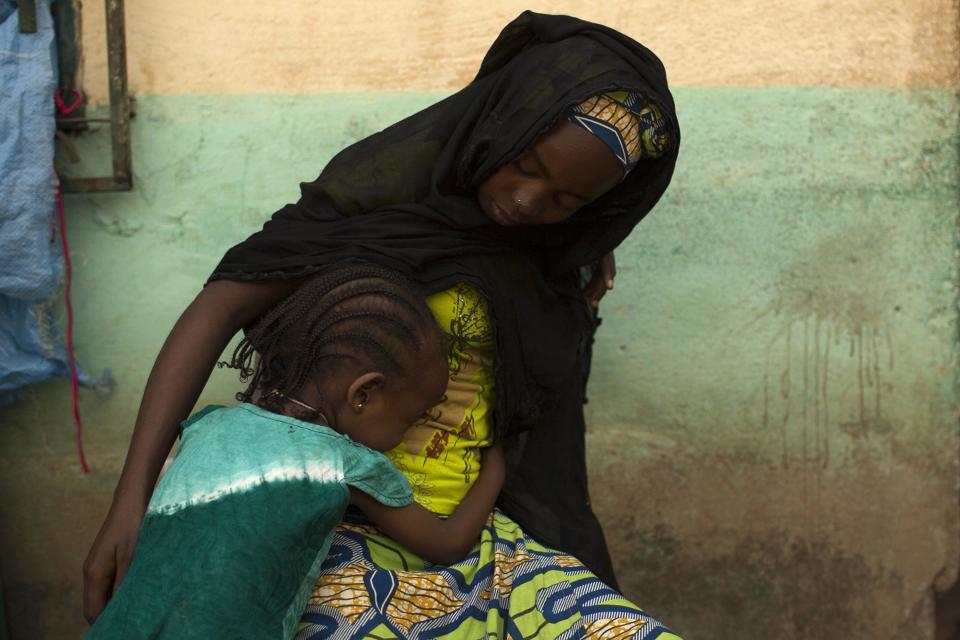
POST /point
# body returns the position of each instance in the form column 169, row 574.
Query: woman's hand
column 602, row 280
column 110, row 557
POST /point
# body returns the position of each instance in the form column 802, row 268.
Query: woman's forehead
column 573, row 156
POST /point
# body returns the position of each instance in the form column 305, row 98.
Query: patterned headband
column 632, row 127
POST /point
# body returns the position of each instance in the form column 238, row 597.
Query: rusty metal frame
column 122, row 178
column 27, row 16
column 66, row 21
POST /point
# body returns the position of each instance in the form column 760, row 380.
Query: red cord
column 67, row 109
column 74, row 383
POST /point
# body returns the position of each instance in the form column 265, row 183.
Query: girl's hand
column 109, row 558
column 602, row 281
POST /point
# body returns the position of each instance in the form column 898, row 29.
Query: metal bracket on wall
column 122, row 178
column 27, row 16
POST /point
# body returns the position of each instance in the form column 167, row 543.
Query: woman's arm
column 178, row 376
column 435, row 539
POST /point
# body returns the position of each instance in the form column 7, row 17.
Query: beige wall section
column 180, row 47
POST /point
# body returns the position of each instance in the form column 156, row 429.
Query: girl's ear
column 363, row 389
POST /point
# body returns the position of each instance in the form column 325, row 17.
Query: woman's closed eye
column 568, row 201
column 525, row 170
column 529, row 165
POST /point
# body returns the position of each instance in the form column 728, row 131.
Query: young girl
column 239, row 524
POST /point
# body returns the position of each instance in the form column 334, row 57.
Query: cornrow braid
column 358, row 311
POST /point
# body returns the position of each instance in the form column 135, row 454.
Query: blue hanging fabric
column 31, row 261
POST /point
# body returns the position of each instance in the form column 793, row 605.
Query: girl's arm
column 437, row 540
column 179, row 375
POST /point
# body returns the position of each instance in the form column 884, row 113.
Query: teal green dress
column 239, row 526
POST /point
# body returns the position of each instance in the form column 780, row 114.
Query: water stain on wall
column 834, row 298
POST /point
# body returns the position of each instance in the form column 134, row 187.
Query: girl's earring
column 359, row 406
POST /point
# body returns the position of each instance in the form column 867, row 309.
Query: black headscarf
column 403, row 198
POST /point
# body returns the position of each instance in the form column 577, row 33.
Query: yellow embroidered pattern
column 441, row 454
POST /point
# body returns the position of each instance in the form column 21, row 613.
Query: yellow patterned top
column 440, row 455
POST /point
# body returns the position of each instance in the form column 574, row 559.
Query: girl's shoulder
column 374, row 474
column 256, row 421
column 231, row 443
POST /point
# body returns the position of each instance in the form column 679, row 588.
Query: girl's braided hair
column 358, row 311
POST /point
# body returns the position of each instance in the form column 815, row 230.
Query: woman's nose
column 527, row 203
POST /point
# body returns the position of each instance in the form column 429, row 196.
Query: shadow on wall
column 948, row 613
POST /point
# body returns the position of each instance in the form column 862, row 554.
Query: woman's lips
column 501, row 217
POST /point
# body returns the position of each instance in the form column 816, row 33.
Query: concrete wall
column 773, row 415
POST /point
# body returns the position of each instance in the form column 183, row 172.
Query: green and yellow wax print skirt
column 507, row 587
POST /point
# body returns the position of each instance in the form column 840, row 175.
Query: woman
column 493, row 199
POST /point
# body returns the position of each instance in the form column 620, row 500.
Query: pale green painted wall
column 773, row 433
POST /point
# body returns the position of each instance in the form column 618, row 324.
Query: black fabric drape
column 403, row 198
